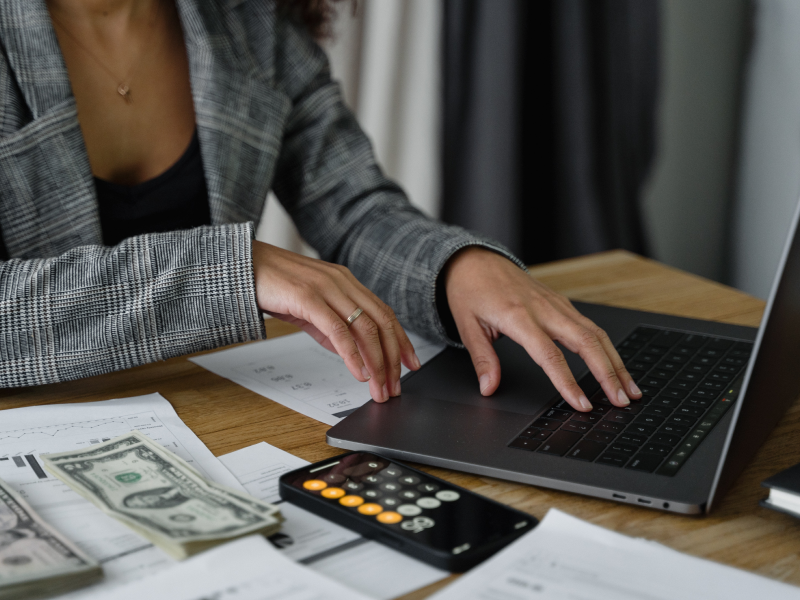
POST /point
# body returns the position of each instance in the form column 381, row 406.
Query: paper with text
column 566, row 558
column 294, row 370
column 246, row 569
column 25, row 433
column 366, row 566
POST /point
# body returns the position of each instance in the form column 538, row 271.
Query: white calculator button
column 448, row 495
column 428, row 503
column 409, row 510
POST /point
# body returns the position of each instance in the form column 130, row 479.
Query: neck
column 101, row 12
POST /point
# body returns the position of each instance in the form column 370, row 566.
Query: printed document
column 366, row 566
column 246, row 569
column 297, row 372
column 25, row 433
column 566, row 558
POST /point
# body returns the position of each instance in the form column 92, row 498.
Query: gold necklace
column 123, row 88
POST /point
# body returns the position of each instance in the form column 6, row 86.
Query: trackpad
column 524, row 386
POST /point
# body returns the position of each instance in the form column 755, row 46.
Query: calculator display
column 424, row 509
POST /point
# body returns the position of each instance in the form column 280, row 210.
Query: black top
column 176, row 199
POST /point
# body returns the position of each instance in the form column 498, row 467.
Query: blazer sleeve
column 96, row 309
column 329, row 182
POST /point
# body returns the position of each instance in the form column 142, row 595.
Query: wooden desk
column 739, row 533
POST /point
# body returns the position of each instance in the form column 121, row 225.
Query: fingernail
column 634, row 389
column 365, row 373
column 584, row 402
column 415, row 361
column 623, row 399
column 385, row 392
column 396, row 387
column 484, row 382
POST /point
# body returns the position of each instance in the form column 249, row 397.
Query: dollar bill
column 35, row 560
column 160, row 496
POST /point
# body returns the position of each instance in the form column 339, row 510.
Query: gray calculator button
column 409, row 495
column 428, row 488
column 409, row 480
column 373, row 465
column 352, row 486
column 428, row 503
column 373, row 479
column 390, row 502
column 391, row 472
column 409, row 510
column 371, row 494
column 390, row 487
column 448, row 496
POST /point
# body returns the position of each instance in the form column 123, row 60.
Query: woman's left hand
column 489, row 295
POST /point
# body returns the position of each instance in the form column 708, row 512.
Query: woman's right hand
column 318, row 297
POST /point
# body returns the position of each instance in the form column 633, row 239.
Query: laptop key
column 689, row 376
column 639, row 429
column 648, row 391
column 599, row 410
column 537, row 434
column 680, row 384
column 666, row 401
column 658, row 449
column 525, row 444
column 559, row 415
column 724, row 367
column 546, row 424
column 660, row 411
column 649, row 420
column 662, row 373
column 654, row 382
column 705, row 361
column 604, row 437
column 697, row 368
column 617, row 416
column 612, row 460
column 624, row 449
column 720, row 376
column 589, row 417
column 666, row 365
column 674, row 429
column 645, row 462
column 703, row 393
column 682, row 420
column 698, row 402
column 666, row 438
column 637, row 365
column 712, row 385
column 692, row 340
column 559, row 442
column 586, row 450
column 609, row 427
column 631, row 409
column 632, row 438
column 672, row 393
column 734, row 361
column 691, row 411
column 576, row 426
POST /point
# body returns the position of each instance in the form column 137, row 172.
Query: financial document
column 25, row 433
column 566, row 558
column 246, row 569
column 295, row 371
column 366, row 566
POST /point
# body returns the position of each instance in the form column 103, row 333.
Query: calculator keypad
column 389, row 494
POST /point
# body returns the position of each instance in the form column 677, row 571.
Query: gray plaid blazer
column 268, row 117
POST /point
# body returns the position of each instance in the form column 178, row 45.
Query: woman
column 138, row 141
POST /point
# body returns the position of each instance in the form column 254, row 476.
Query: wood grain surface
column 228, row 417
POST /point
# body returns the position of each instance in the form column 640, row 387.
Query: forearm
column 94, row 309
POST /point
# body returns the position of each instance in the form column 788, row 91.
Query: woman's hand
column 318, row 297
column 489, row 295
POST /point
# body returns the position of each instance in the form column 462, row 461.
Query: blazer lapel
column 240, row 114
column 48, row 202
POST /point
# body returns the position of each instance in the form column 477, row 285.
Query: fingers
column 479, row 344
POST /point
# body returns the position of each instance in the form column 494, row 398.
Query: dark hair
column 316, row 15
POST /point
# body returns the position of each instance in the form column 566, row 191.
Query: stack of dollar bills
column 35, row 560
column 160, row 496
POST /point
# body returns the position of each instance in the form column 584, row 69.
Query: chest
column 132, row 91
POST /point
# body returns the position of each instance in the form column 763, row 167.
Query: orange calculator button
column 370, row 508
column 351, row 501
column 333, row 493
column 315, row 485
column 389, row 517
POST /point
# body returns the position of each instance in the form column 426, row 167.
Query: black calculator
column 423, row 516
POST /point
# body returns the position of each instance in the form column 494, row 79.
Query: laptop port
column 643, row 501
column 620, row 496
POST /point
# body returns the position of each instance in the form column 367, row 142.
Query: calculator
column 423, row 516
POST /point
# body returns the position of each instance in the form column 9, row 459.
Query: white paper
column 366, row 566
column 565, row 558
column 245, row 569
column 27, row 432
column 295, row 371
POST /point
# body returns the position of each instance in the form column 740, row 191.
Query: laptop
column 712, row 394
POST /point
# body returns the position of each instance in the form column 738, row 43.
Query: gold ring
column 356, row 313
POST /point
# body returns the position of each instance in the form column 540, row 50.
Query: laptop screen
column 772, row 379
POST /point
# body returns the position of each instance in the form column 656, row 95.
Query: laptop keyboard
column 688, row 382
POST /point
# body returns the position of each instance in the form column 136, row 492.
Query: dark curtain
column 549, row 119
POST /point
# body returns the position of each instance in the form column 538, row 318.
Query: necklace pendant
column 124, row 91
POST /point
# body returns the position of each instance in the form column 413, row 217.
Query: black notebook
column 784, row 492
